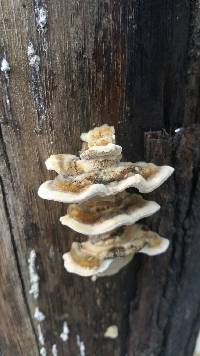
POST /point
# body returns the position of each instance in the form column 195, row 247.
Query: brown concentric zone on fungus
column 98, row 209
column 99, row 136
column 76, row 184
column 67, row 185
column 85, row 260
column 99, row 171
column 147, row 171
column 123, row 242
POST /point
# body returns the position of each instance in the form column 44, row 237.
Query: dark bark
column 92, row 62
column 165, row 314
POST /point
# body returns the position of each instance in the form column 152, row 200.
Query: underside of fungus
column 94, row 185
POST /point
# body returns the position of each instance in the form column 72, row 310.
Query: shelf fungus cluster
column 94, row 185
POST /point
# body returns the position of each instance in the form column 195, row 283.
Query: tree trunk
column 67, row 66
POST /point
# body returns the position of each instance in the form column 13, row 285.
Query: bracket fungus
column 94, row 186
column 104, row 214
column 96, row 256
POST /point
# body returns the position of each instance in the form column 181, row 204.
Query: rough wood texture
column 88, row 63
column 167, row 303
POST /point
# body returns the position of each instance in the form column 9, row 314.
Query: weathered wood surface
column 93, row 62
column 165, row 310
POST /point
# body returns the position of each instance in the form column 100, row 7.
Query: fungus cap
column 100, row 215
column 113, row 251
column 99, row 136
column 49, row 191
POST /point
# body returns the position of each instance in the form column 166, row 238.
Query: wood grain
column 116, row 62
column 168, row 293
column 15, row 313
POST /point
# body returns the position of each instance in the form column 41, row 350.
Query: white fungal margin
column 49, row 192
column 81, row 345
column 153, row 251
column 115, row 266
column 38, row 315
column 72, row 267
column 111, row 332
column 65, row 332
column 112, row 252
column 33, row 274
column 125, row 218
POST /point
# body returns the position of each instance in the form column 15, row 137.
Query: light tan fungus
column 95, row 185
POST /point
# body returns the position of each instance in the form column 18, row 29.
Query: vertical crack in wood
column 173, row 298
column 6, row 106
column 4, row 155
column 192, row 91
column 7, row 118
column 17, row 260
column 36, row 87
column 37, row 59
column 190, row 345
